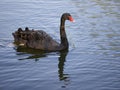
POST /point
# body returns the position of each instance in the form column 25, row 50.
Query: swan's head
column 67, row 16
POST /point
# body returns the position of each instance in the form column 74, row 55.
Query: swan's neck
column 64, row 41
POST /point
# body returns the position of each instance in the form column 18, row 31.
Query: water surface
column 93, row 59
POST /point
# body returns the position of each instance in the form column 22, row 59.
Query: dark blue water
column 93, row 59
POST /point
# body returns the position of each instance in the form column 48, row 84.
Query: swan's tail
column 21, row 37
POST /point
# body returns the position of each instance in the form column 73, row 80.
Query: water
column 93, row 59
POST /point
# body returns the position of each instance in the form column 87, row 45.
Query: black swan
column 38, row 39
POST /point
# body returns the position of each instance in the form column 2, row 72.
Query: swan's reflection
column 62, row 76
column 36, row 55
column 33, row 54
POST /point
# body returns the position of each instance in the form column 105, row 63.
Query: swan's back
column 35, row 39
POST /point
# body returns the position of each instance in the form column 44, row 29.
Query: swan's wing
column 41, row 40
column 35, row 39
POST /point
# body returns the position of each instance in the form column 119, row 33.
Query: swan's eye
column 71, row 19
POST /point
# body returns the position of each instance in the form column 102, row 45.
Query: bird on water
column 39, row 39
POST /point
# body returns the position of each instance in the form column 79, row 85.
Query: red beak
column 71, row 19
